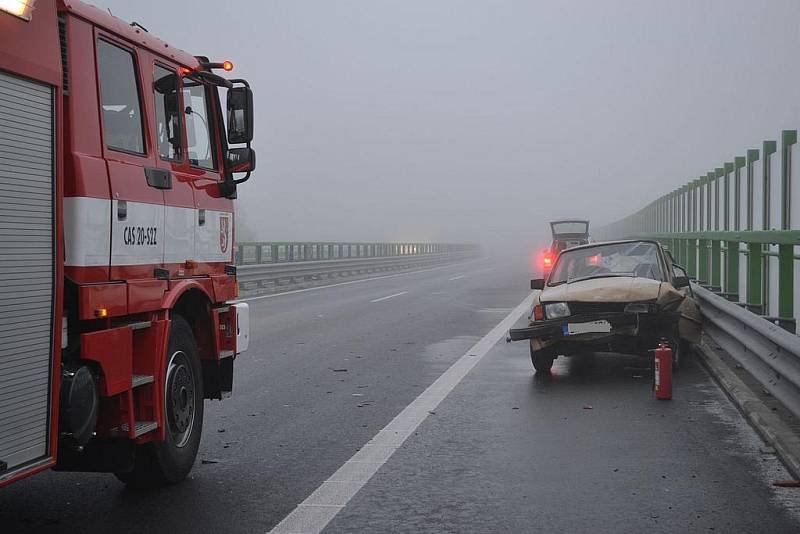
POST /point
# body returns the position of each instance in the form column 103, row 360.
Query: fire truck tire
column 542, row 360
column 169, row 461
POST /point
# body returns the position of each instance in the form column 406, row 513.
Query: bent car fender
column 689, row 324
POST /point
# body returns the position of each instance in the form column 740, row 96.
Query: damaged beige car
column 622, row 296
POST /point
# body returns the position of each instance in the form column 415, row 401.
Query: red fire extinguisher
column 663, row 366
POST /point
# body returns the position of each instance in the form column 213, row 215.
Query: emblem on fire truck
column 224, row 227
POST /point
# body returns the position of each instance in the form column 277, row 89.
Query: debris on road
column 339, row 370
column 588, row 407
column 787, row 483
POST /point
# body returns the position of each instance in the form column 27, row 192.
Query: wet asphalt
column 586, row 450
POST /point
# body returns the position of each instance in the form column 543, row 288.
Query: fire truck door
column 179, row 209
column 136, row 183
column 213, row 229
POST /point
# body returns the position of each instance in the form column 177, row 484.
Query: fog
column 479, row 121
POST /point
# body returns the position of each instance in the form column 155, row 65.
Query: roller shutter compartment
column 26, row 269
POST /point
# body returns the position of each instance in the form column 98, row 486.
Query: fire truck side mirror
column 240, row 160
column 240, row 115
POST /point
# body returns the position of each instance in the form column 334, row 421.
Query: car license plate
column 593, row 327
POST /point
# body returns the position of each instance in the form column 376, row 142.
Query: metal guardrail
column 273, row 275
column 764, row 349
column 253, row 252
column 733, row 228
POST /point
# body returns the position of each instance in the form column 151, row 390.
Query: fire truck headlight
column 19, row 8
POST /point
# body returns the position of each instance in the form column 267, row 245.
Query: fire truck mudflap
column 27, row 270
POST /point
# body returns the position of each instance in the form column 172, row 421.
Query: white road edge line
column 318, row 509
column 389, row 296
column 360, row 280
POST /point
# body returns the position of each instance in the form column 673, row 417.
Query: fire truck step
column 141, row 427
column 140, row 380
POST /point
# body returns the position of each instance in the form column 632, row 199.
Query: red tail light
column 548, row 260
column 538, row 312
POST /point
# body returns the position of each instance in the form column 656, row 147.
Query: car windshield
column 638, row 259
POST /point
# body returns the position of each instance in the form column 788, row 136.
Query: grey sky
column 480, row 120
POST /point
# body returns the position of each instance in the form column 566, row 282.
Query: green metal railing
column 732, row 229
column 251, row 252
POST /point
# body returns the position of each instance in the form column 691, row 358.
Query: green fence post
column 786, row 281
column 719, row 173
column 768, row 149
column 732, row 271
column 738, row 164
column 709, row 202
column 752, row 157
column 716, row 262
column 786, row 252
column 754, row 270
column 788, row 138
column 691, row 253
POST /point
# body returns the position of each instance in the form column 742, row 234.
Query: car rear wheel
column 542, row 361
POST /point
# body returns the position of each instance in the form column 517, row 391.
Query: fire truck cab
column 117, row 274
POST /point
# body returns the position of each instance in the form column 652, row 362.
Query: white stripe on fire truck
column 141, row 233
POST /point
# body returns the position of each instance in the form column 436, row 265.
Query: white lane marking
column 318, row 509
column 361, row 280
column 389, row 297
column 459, row 277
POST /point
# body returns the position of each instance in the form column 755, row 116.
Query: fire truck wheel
column 542, row 361
column 169, row 461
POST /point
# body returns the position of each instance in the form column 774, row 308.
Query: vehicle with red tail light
column 567, row 233
column 117, row 178
column 623, row 296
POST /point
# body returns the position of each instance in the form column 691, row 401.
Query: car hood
column 610, row 289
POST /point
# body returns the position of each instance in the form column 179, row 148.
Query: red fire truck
column 117, row 180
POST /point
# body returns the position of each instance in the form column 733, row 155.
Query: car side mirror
column 240, row 160
column 538, row 283
column 680, row 282
column 240, row 115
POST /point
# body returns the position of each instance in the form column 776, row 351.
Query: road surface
column 587, row 450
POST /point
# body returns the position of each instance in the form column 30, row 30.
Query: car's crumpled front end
column 622, row 314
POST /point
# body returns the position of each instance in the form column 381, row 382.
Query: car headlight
column 556, row 310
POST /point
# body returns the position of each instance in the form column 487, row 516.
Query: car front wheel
column 542, row 361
